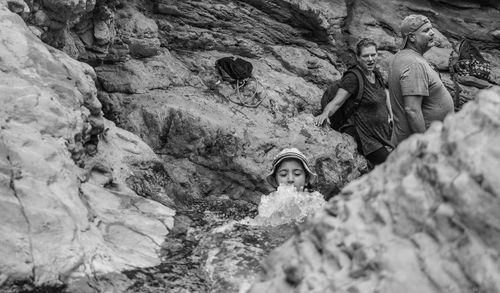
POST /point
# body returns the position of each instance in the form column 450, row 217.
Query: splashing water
column 287, row 205
column 235, row 248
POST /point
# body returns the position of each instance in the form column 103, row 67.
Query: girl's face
column 291, row 172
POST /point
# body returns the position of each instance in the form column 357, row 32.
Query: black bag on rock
column 237, row 69
column 238, row 72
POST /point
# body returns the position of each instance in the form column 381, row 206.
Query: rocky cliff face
column 156, row 78
column 86, row 146
column 156, row 75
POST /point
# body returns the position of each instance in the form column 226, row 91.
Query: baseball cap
column 290, row 153
column 410, row 24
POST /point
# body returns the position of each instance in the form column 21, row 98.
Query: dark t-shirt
column 371, row 118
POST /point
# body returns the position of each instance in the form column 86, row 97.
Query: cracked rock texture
column 65, row 209
column 154, row 62
column 426, row 221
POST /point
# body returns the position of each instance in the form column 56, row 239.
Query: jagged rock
column 41, row 18
column 305, row 64
column 141, row 76
column 65, row 214
column 494, row 57
column 102, row 33
column 18, row 6
column 370, row 19
column 36, row 31
column 425, row 221
column 67, row 11
column 496, row 34
column 138, row 32
column 462, row 4
column 319, row 21
column 327, row 15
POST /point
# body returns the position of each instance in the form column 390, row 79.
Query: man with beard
column 418, row 96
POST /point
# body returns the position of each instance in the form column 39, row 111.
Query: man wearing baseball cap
column 418, row 96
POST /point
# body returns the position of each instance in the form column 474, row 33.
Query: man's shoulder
column 407, row 55
column 405, row 59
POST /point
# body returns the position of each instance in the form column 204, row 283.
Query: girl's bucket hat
column 290, row 153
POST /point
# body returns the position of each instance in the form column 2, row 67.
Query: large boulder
column 66, row 210
column 425, row 221
column 139, row 32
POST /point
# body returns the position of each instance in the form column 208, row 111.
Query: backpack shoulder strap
column 361, row 86
column 349, row 110
column 456, row 87
column 380, row 78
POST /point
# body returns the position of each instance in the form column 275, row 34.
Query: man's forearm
column 416, row 121
column 413, row 110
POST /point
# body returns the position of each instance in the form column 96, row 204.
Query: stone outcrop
column 66, row 210
column 425, row 221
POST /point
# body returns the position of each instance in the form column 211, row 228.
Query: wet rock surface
column 209, row 249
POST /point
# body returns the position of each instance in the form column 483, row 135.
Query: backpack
column 467, row 66
column 468, row 61
column 340, row 119
column 236, row 69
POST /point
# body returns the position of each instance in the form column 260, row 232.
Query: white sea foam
column 287, row 205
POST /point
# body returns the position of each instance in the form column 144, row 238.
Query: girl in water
column 293, row 199
column 290, row 167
